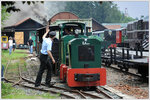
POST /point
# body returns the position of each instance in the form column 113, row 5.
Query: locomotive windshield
column 86, row 53
column 4, row 39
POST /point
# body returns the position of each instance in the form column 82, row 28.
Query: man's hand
column 50, row 55
column 47, row 30
column 53, row 61
column 47, row 27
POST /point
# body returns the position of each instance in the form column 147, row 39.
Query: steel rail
column 74, row 91
column 40, row 89
column 6, row 68
column 20, row 79
column 81, row 94
column 94, row 96
column 99, row 91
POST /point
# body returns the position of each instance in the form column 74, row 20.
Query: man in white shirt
column 45, row 52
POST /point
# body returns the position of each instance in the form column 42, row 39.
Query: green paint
column 64, row 42
column 73, row 53
column 64, row 46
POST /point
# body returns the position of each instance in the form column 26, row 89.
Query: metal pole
column 141, row 51
column 136, row 52
column 127, row 53
column 111, row 54
column 122, row 53
column 115, row 55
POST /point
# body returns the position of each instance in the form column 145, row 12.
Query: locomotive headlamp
column 76, row 31
column 4, row 45
column 110, row 32
column 60, row 25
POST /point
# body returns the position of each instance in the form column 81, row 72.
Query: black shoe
column 36, row 85
column 49, row 85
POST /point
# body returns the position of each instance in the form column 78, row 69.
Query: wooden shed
column 23, row 30
column 63, row 15
column 68, row 16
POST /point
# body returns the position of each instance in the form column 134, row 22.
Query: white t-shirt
column 10, row 43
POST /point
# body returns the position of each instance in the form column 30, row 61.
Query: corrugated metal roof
column 112, row 26
column 123, row 25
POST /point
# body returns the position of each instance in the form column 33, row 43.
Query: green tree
column 8, row 6
column 105, row 12
column 4, row 14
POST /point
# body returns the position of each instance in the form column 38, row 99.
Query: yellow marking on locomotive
column 4, row 39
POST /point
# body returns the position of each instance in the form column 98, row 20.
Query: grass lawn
column 17, row 59
column 9, row 92
column 17, row 54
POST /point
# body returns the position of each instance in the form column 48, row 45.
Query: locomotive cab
column 4, row 42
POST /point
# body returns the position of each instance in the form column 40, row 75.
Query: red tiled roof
column 18, row 23
column 112, row 26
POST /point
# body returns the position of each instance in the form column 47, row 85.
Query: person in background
column 14, row 44
column 10, row 45
column 30, row 44
column 67, row 31
column 45, row 62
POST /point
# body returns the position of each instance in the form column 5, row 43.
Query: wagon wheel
column 126, row 69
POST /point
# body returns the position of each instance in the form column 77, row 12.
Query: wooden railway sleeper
column 40, row 89
column 99, row 91
column 75, row 91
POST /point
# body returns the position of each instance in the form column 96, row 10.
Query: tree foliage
column 105, row 12
column 4, row 14
column 10, row 5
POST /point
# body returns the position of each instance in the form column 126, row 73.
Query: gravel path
column 130, row 85
column 127, row 84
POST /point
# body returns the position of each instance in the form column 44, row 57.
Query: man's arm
column 28, row 42
column 47, row 30
column 51, row 56
column 45, row 34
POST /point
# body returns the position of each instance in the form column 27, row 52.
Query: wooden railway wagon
column 79, row 57
column 125, row 59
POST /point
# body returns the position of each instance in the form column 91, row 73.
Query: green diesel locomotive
column 78, row 57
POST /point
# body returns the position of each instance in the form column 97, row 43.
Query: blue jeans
column 10, row 50
column 31, row 49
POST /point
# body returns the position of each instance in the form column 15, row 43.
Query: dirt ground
column 127, row 84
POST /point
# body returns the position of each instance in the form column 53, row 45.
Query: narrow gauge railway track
column 73, row 94
column 126, row 72
column 6, row 68
column 68, row 93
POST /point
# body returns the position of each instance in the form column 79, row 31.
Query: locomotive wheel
column 126, row 69
column 143, row 75
column 107, row 64
column 89, row 88
column 121, row 68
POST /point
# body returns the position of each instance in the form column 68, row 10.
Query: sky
column 134, row 8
